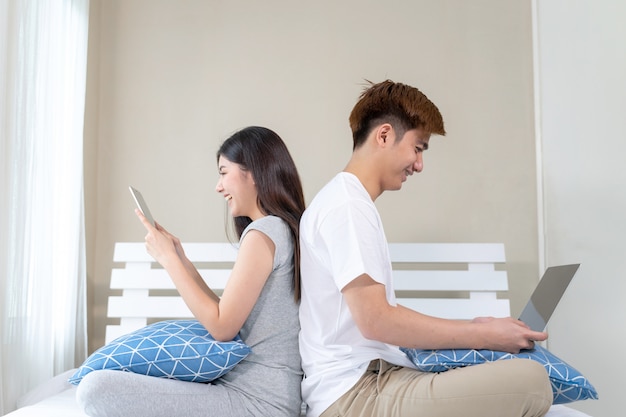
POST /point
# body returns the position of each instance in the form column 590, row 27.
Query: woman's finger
column 146, row 223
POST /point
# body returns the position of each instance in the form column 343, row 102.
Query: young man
column 351, row 326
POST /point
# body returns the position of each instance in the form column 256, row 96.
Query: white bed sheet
column 563, row 411
column 57, row 398
column 62, row 404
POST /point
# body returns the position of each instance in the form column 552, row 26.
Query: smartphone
column 141, row 204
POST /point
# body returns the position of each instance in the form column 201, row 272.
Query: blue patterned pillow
column 568, row 384
column 175, row 349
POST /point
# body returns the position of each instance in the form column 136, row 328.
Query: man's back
column 341, row 238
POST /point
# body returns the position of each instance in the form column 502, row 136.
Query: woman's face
column 237, row 187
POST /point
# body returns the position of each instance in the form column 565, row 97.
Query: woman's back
column 271, row 374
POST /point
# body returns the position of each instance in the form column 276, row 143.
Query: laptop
column 547, row 295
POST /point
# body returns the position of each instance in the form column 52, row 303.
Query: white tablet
column 141, row 204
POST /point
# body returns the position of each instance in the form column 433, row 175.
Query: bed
column 466, row 275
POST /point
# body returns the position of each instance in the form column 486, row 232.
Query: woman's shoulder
column 278, row 231
column 269, row 221
column 273, row 226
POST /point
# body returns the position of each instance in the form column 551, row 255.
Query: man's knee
column 534, row 372
column 538, row 384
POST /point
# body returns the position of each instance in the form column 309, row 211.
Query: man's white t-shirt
column 341, row 238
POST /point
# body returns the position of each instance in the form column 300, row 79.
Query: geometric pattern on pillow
column 175, row 349
column 568, row 384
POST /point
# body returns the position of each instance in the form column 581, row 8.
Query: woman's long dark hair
column 264, row 154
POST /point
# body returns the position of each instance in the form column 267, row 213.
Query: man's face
column 405, row 158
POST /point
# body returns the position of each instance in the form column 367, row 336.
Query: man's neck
column 366, row 174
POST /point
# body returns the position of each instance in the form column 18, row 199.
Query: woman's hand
column 160, row 244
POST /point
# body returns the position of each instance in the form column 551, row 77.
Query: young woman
column 260, row 183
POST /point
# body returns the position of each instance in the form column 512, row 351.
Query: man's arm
column 400, row 326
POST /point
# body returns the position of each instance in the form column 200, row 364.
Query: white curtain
column 43, row 59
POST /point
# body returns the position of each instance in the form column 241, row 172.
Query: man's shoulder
column 341, row 199
column 342, row 188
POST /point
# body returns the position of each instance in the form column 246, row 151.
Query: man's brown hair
column 402, row 106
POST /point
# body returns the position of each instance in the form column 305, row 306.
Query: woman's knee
column 93, row 390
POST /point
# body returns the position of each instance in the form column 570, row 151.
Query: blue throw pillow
column 175, row 349
column 568, row 384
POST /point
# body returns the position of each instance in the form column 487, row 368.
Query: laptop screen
column 547, row 295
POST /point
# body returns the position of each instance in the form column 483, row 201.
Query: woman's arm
column 189, row 266
column 223, row 318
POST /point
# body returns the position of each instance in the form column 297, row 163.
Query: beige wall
column 168, row 81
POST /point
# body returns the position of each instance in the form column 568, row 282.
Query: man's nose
column 418, row 166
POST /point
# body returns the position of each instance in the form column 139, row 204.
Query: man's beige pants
column 515, row 387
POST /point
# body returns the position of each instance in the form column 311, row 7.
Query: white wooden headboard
column 450, row 280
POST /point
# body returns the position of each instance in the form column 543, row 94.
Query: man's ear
column 384, row 134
